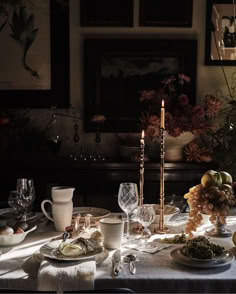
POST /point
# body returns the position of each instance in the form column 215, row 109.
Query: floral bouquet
column 180, row 116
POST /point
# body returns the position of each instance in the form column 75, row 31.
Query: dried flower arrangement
column 219, row 139
column 180, row 117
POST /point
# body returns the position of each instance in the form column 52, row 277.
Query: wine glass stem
column 128, row 226
column 143, row 235
column 25, row 214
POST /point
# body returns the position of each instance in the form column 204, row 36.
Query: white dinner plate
column 99, row 258
column 182, row 259
column 97, row 213
column 50, row 250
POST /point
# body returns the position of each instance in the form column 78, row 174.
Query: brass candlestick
column 162, row 229
column 141, row 171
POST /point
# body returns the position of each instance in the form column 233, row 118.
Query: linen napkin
column 66, row 276
column 149, row 247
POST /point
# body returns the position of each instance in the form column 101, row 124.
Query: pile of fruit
column 201, row 248
column 19, row 228
column 214, row 197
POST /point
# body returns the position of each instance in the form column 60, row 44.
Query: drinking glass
column 146, row 215
column 26, row 193
column 128, row 201
column 15, row 203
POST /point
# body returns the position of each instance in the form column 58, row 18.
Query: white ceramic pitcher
column 62, row 207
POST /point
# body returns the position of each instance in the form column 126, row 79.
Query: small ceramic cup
column 112, row 230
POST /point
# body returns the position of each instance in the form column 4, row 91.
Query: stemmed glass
column 146, row 215
column 15, row 203
column 128, row 201
column 26, row 193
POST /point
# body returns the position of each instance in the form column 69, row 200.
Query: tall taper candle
column 162, row 229
column 141, row 171
column 163, row 114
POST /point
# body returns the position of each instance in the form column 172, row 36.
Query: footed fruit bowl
column 213, row 197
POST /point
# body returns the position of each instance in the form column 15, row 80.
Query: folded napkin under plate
column 67, row 275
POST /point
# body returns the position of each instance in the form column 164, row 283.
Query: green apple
column 226, row 178
column 211, row 178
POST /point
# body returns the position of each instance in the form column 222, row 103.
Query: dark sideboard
column 97, row 184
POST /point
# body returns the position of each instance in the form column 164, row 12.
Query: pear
column 211, row 178
column 226, row 178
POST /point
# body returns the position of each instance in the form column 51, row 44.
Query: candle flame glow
column 162, row 103
column 142, row 134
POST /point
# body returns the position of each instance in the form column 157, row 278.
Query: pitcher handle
column 44, row 211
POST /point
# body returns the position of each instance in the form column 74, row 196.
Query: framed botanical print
column 34, row 59
column 167, row 13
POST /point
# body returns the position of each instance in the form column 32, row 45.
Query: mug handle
column 44, row 211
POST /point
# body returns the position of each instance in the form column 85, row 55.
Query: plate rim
column 106, row 211
column 98, row 262
column 10, row 209
column 67, row 258
column 174, row 254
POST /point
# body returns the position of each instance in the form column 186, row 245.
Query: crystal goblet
column 146, row 215
column 26, row 194
column 15, row 203
column 128, row 201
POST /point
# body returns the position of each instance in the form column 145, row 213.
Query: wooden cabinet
column 96, row 184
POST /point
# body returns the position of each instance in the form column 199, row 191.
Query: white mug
column 62, row 207
column 112, row 230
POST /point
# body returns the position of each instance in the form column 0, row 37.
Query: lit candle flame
column 162, row 103
column 142, row 136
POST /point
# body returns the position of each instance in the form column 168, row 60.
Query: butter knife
column 116, row 262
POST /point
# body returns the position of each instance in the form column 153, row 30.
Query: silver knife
column 116, row 262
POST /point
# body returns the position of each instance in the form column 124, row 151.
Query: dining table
column 156, row 272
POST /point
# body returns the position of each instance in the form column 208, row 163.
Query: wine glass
column 146, row 215
column 26, row 193
column 128, row 201
column 15, row 203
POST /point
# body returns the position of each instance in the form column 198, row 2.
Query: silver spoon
column 130, row 258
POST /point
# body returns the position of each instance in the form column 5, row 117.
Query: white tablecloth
column 20, row 270
column 156, row 273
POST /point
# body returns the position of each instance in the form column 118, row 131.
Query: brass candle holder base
column 162, row 231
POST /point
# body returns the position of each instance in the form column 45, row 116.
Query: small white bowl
column 11, row 240
column 169, row 211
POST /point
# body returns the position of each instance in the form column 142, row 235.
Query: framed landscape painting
column 34, row 57
column 115, row 71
